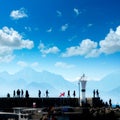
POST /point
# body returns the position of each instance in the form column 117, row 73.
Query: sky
column 65, row 37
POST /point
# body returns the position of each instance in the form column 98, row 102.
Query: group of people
column 39, row 93
column 20, row 93
column 95, row 92
column 74, row 94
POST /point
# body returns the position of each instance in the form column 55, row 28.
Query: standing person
column 22, row 93
column 39, row 93
column 68, row 93
column 97, row 93
column 27, row 94
column 14, row 93
column 47, row 93
column 8, row 95
column 94, row 93
column 110, row 102
column 74, row 94
column 18, row 93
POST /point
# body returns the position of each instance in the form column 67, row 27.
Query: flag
column 62, row 94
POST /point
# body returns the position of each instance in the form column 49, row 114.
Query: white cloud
column 11, row 40
column 89, row 48
column 35, row 64
column 22, row 63
column 59, row 14
column 28, row 28
column 49, row 30
column 63, row 65
column 93, row 53
column 111, row 43
column 117, row 30
column 45, row 50
column 84, row 49
column 72, row 38
column 18, row 14
column 6, row 58
column 64, row 27
column 41, row 46
column 76, row 11
column 25, row 64
column 90, row 25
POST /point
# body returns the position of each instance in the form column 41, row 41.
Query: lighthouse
column 83, row 87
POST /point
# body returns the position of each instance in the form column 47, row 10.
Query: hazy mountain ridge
column 33, row 80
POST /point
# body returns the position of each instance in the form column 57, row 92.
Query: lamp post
column 79, row 92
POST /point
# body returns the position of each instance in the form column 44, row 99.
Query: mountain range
column 32, row 80
column 29, row 79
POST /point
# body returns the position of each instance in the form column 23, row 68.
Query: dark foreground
column 62, row 113
column 79, row 113
column 54, row 109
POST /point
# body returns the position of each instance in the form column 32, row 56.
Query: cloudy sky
column 67, row 37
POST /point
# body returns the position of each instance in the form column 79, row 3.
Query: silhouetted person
column 39, row 93
column 14, row 93
column 68, row 93
column 110, row 102
column 93, row 93
column 106, row 104
column 27, row 94
column 97, row 93
column 18, row 93
column 74, row 94
column 8, row 95
column 47, row 93
column 22, row 93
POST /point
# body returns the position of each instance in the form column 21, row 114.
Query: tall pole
column 79, row 92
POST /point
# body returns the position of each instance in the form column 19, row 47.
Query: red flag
column 62, row 94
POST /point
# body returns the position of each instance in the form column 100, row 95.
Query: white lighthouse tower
column 83, row 86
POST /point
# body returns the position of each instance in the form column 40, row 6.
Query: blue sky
column 67, row 37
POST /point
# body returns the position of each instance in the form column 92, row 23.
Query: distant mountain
column 5, row 76
column 115, row 91
column 107, row 83
column 34, row 81
column 29, row 79
column 28, row 74
column 34, row 87
column 115, row 94
column 110, row 81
